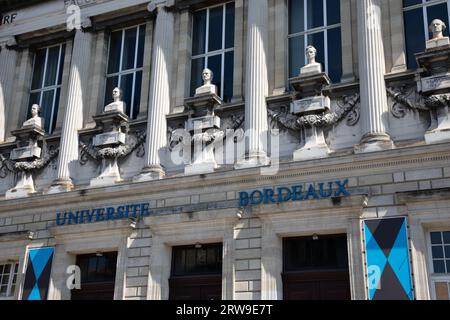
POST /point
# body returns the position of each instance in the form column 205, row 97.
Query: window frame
column 44, row 88
column 432, row 276
column 121, row 72
column 12, row 273
column 223, row 51
column 307, row 32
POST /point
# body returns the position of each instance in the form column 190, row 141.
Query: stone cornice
column 333, row 167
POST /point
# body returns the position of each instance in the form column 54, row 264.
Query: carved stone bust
column 207, row 87
column 437, row 28
column 35, row 120
column 118, row 105
column 312, row 66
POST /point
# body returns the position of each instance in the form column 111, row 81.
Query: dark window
column 189, row 261
column 418, row 15
column 440, row 252
column 316, row 23
column 125, row 65
column 213, row 48
column 305, row 254
column 98, row 274
column 46, row 83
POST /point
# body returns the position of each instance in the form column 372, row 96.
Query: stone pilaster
column 8, row 58
column 257, row 84
column 160, row 94
column 372, row 69
column 73, row 119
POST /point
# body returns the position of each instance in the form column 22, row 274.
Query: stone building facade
column 284, row 177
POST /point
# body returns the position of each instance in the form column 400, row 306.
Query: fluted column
column 8, row 60
column 159, row 97
column 257, row 84
column 372, row 69
column 73, row 119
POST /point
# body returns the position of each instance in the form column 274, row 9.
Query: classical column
column 372, row 68
column 257, row 84
column 8, row 58
column 73, row 119
column 160, row 95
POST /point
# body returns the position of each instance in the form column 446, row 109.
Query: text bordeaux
column 334, row 189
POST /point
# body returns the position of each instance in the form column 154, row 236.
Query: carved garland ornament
column 348, row 107
column 9, row 166
column 98, row 154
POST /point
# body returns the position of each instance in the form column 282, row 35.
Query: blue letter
column 243, row 199
column 342, row 189
column 297, row 193
column 329, row 192
column 282, row 198
column 58, row 219
column 252, row 197
column 312, row 193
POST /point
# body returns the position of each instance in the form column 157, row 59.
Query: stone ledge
column 403, row 198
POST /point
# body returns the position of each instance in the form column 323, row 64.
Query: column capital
column 159, row 4
column 8, row 43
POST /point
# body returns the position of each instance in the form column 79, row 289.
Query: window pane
column 229, row 34
column 55, row 109
column 438, row 252
column 126, row 84
column 317, row 40
column 52, row 66
column 47, row 109
column 333, row 12
column 228, row 77
column 137, row 95
column 439, row 266
column 140, row 56
column 335, row 54
column 447, row 252
column 39, row 68
column 415, row 36
column 61, row 65
column 3, row 290
column 111, row 83
column 215, row 64
column 436, row 238
column 315, row 14
column 215, row 28
column 296, row 16
column 199, row 33
column 448, row 266
column 438, row 12
column 296, row 55
column 115, row 46
column 407, row 3
column 129, row 49
column 196, row 74
column 446, row 237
